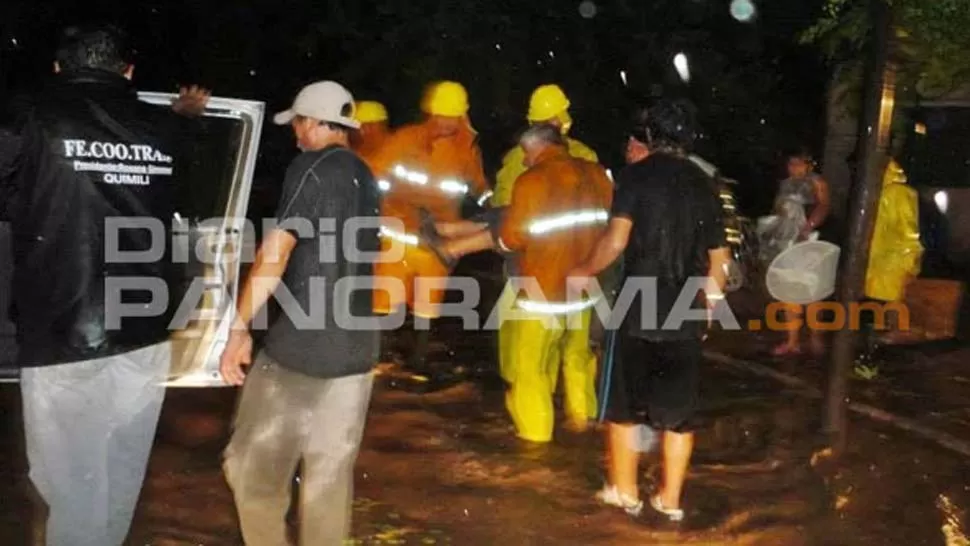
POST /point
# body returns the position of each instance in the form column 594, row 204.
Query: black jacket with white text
column 78, row 157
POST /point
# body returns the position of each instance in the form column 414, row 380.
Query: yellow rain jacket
column 558, row 212
column 415, row 170
column 512, row 169
column 370, row 140
column 895, row 252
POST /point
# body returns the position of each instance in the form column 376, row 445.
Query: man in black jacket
column 80, row 155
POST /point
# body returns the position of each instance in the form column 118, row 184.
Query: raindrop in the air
column 743, row 10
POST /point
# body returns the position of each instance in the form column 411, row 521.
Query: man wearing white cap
column 304, row 399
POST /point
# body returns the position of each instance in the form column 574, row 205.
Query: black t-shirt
column 324, row 190
column 677, row 218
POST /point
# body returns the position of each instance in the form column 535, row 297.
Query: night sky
column 757, row 90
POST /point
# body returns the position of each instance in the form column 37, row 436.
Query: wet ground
column 440, row 465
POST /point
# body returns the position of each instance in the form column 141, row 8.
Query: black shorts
column 653, row 383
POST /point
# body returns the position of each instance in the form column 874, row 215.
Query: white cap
column 325, row 101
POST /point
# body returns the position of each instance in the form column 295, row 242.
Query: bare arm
column 607, row 249
column 822, row 204
column 271, row 260
column 471, row 236
column 265, row 277
column 469, row 244
column 719, row 259
column 461, row 228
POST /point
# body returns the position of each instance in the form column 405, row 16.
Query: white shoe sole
column 610, row 496
column 673, row 514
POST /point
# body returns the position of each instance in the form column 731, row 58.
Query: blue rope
column 607, row 377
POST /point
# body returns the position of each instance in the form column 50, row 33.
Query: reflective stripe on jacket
column 558, row 211
column 415, row 170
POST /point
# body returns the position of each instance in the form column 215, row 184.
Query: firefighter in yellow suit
column 373, row 132
column 548, row 105
column 429, row 167
column 895, row 251
column 559, row 208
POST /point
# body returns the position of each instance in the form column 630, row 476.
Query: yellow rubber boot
column 529, row 399
column 579, row 369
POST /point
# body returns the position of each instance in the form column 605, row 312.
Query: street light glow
column 942, row 201
column 680, row 63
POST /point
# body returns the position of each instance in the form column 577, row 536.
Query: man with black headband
column 669, row 225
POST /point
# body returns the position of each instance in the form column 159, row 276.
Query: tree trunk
column 840, row 141
column 879, row 99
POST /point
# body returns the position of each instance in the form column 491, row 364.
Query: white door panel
column 211, row 230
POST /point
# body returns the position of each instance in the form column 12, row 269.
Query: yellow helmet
column 547, row 102
column 368, row 111
column 447, row 99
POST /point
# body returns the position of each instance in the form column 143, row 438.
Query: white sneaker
column 673, row 514
column 611, row 496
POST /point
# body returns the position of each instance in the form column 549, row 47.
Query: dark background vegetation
column 757, row 90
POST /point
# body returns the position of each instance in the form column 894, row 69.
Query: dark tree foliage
column 756, row 89
column 931, row 38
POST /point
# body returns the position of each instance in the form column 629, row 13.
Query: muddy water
column 440, row 465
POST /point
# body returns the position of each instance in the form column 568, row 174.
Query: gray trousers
column 285, row 418
column 90, row 427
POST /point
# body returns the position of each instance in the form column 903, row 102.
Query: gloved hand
column 432, row 239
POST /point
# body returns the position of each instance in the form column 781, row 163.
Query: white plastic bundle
column 779, row 232
column 804, row 273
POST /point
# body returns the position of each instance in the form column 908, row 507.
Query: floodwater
column 440, row 465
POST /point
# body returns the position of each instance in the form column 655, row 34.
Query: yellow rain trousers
column 535, row 346
column 895, row 252
column 506, row 345
column 512, row 168
column 559, row 210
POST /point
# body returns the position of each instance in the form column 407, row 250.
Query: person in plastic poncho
column 801, row 207
column 895, row 251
